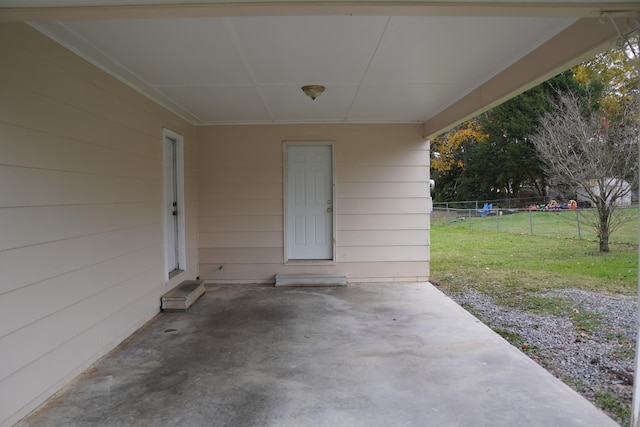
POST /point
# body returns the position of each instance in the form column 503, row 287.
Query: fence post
column 447, row 216
column 498, row 220
column 578, row 222
column 530, row 223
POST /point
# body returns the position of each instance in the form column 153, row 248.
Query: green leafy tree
column 492, row 156
column 448, row 158
column 514, row 161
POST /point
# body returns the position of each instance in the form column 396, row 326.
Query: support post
column 627, row 42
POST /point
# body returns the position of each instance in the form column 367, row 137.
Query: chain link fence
column 560, row 221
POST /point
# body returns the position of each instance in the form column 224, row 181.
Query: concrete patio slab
column 361, row 355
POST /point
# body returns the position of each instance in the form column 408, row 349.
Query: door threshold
column 310, row 262
column 311, row 279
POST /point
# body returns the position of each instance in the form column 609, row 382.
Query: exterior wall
column 81, row 216
column 382, row 202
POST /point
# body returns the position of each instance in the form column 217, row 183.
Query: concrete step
column 309, row 279
column 183, row 296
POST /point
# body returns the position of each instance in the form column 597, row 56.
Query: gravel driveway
column 597, row 361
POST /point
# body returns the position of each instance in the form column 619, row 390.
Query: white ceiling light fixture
column 313, row 91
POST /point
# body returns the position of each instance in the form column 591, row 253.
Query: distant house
column 612, row 186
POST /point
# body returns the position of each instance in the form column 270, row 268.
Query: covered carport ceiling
column 431, row 62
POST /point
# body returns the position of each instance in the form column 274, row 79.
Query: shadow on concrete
column 363, row 355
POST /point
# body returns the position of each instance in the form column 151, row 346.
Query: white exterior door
column 173, row 204
column 309, row 202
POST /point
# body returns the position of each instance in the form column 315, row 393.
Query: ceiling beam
column 34, row 10
column 577, row 43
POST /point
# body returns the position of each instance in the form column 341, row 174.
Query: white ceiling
column 249, row 69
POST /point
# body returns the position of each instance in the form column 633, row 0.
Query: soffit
column 377, row 68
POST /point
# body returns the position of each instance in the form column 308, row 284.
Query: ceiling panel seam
column 366, row 70
column 235, row 43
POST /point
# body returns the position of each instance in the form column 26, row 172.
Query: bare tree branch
column 592, row 153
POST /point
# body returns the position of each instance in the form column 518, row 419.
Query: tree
column 448, row 158
column 594, row 151
column 509, row 127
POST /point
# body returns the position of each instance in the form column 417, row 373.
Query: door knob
column 329, row 210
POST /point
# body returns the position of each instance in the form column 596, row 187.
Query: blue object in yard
column 488, row 207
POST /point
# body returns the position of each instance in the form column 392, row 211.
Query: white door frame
column 173, row 192
column 286, row 144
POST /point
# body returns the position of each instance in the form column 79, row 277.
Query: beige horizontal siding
column 382, row 190
column 384, row 238
column 415, row 221
column 41, row 187
column 382, row 201
column 389, row 156
column 390, row 271
column 383, row 253
column 221, row 256
column 240, row 174
column 255, row 208
column 251, row 157
column 71, row 221
column 59, row 319
column 80, row 91
column 81, row 216
column 213, row 190
column 240, row 239
column 221, row 223
column 364, row 206
column 403, row 271
column 60, row 153
column 382, row 173
column 37, row 112
column 29, row 265
column 38, row 380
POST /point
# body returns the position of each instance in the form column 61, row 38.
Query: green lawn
column 566, row 224
column 516, row 270
column 465, row 253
